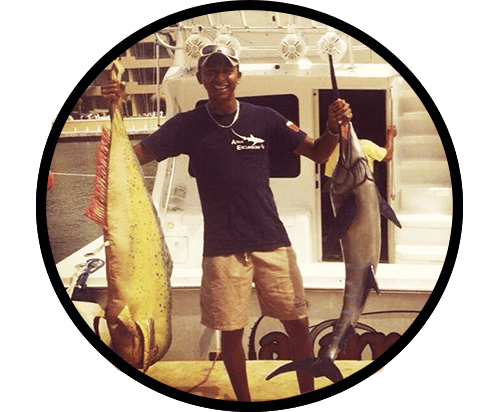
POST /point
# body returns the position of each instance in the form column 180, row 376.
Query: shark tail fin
column 316, row 366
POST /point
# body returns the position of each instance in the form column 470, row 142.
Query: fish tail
column 316, row 366
column 97, row 209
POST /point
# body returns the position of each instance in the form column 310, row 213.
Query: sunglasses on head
column 214, row 48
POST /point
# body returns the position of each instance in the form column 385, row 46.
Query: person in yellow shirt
column 372, row 152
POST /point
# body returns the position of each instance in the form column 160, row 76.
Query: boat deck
column 185, row 375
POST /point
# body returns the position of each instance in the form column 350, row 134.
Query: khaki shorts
column 227, row 283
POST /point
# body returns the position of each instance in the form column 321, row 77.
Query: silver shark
column 357, row 206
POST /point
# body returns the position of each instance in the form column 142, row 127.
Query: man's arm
column 142, row 155
column 391, row 133
column 319, row 150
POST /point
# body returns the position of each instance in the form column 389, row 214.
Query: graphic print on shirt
column 247, row 142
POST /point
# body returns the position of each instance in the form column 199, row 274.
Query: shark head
column 352, row 167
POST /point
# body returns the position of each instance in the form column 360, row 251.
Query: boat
column 283, row 67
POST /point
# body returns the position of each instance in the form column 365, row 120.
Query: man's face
column 219, row 78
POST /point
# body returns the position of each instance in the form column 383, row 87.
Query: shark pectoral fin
column 342, row 222
column 346, row 214
column 316, row 366
column 371, row 281
column 146, row 327
column 326, row 186
column 387, row 211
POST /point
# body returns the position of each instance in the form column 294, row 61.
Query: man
column 244, row 240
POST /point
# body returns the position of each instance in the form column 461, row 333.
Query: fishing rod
column 330, row 50
column 334, row 86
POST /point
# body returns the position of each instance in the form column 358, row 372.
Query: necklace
column 222, row 125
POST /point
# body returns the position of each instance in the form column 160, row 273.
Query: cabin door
column 370, row 122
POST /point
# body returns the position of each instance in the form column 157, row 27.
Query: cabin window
column 282, row 164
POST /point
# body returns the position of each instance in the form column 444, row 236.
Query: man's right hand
column 113, row 92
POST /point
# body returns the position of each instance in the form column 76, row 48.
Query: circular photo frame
column 419, row 182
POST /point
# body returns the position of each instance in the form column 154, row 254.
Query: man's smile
column 220, row 79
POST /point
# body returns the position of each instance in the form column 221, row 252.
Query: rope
column 79, row 279
column 207, row 375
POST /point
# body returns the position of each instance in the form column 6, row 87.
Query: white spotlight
column 227, row 40
column 331, row 43
column 194, row 43
column 292, row 48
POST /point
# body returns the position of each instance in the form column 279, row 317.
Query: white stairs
column 421, row 177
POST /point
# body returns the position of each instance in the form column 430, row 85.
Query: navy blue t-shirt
column 232, row 167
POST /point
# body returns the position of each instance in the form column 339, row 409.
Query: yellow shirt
column 372, row 152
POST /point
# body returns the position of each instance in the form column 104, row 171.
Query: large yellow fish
column 138, row 263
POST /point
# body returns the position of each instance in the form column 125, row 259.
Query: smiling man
column 228, row 143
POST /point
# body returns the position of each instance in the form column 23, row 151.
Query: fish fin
column 146, row 327
column 96, row 324
column 387, row 211
column 346, row 214
column 101, row 329
column 97, row 209
column 326, row 186
column 126, row 337
column 316, row 366
column 342, row 222
column 116, row 70
column 125, row 318
column 371, row 281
